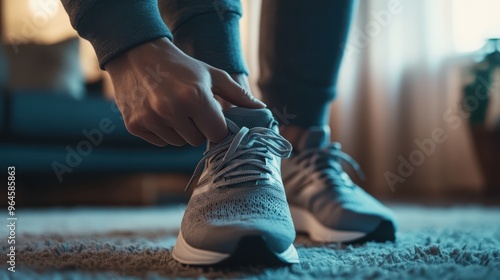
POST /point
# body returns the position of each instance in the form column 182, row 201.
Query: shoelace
column 242, row 147
column 324, row 160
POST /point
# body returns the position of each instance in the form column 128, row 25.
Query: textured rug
column 461, row 242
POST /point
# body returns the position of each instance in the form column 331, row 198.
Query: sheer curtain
column 399, row 92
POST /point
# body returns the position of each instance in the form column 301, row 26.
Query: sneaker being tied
column 238, row 211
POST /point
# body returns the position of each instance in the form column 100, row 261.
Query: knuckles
column 158, row 145
column 197, row 142
column 163, row 108
column 189, row 94
column 134, row 127
column 224, row 74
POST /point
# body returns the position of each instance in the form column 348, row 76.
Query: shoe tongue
column 316, row 137
column 250, row 117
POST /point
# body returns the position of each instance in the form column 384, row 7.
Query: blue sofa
column 44, row 133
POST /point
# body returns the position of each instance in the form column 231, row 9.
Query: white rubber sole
column 307, row 223
column 186, row 254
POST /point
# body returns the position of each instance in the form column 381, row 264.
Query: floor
column 460, row 242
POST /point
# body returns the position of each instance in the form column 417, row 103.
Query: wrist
column 139, row 52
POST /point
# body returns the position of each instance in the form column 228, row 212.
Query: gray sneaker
column 238, row 211
column 324, row 202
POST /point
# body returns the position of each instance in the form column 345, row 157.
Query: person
column 187, row 84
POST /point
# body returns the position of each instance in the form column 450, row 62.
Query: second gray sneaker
column 324, row 202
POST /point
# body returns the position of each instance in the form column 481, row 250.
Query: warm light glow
column 474, row 22
column 40, row 21
column 47, row 8
column 44, row 22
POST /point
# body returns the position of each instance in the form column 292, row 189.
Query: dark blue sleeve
column 114, row 26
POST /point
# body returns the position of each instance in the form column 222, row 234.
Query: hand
column 167, row 97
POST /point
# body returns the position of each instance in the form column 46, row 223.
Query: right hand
column 167, row 97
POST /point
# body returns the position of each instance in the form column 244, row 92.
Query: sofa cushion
column 54, row 67
column 49, row 116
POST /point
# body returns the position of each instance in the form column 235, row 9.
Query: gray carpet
column 433, row 243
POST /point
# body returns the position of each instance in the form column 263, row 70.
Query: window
column 474, row 21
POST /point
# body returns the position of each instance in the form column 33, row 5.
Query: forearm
column 114, row 26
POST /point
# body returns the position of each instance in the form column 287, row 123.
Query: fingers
column 155, row 133
column 210, row 121
column 168, row 135
column 224, row 86
column 191, row 124
column 150, row 137
column 192, row 115
column 190, row 132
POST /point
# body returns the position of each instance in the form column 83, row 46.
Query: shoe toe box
column 352, row 209
column 217, row 223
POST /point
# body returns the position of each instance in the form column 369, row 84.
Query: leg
column 208, row 31
column 300, row 54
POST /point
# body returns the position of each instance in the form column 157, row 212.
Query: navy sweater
column 114, row 26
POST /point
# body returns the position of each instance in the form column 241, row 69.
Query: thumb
column 224, row 86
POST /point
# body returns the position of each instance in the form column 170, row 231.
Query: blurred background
column 418, row 107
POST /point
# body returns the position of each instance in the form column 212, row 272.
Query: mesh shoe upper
column 315, row 180
column 238, row 188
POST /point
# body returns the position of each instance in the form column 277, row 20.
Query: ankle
column 306, row 137
column 293, row 134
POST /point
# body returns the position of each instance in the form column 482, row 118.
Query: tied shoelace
column 324, row 161
column 243, row 147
